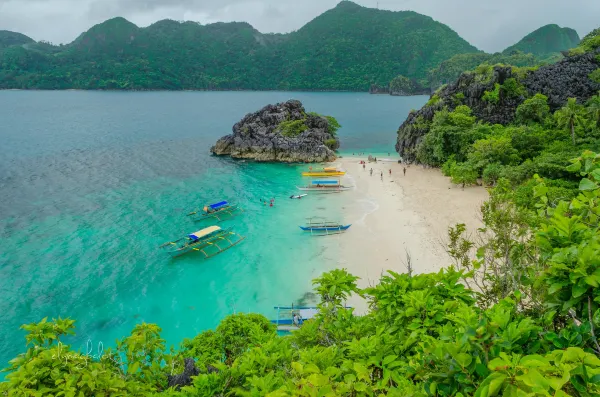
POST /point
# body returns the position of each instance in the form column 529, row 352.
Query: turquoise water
column 91, row 183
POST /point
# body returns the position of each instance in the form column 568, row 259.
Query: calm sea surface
column 91, row 183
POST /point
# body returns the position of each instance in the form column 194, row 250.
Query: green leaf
column 576, row 166
column 389, row 359
column 311, row 369
column 463, row 359
column 296, row 366
column 534, row 378
column 579, row 289
column 133, row 368
column 498, row 364
column 360, row 386
column 586, row 185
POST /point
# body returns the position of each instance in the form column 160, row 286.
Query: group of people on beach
column 371, row 171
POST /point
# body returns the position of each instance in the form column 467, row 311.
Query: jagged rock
column 258, row 137
column 185, row 378
column 565, row 79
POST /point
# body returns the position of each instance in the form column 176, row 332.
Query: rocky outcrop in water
column 568, row 78
column 283, row 132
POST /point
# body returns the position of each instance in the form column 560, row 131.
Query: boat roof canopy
column 204, row 232
column 326, row 182
column 218, row 205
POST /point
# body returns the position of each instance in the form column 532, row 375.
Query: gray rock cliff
column 259, row 136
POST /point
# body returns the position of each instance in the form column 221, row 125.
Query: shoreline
column 396, row 217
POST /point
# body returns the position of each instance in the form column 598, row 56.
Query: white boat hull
column 325, row 189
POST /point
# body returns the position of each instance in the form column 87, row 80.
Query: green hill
column 8, row 39
column 346, row 48
column 546, row 40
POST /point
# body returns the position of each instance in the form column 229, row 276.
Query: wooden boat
column 324, row 185
column 324, row 173
column 324, row 228
column 219, row 211
column 210, row 241
column 291, row 318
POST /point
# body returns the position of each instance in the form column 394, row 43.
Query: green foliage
column 481, row 65
column 292, row 128
column 533, row 110
column 346, row 48
column 332, row 125
column 570, row 116
column 511, row 88
column 401, row 85
column 434, row 100
column 492, row 96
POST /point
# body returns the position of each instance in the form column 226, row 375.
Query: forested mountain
column 346, row 48
column 546, row 40
column 12, row 38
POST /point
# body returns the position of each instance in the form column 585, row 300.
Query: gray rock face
column 258, row 137
column 565, row 79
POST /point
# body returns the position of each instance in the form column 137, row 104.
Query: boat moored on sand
column 324, row 185
column 210, row 241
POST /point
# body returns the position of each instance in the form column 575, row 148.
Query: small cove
column 92, row 182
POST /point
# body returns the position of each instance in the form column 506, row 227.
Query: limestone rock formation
column 283, row 132
column 568, row 78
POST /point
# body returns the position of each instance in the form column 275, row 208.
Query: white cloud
column 489, row 25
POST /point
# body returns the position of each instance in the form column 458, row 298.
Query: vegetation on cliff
column 346, row 48
column 520, row 319
column 546, row 41
column 513, row 123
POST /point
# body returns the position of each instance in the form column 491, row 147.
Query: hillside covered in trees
column 506, row 122
column 346, row 48
column 541, row 47
column 546, row 41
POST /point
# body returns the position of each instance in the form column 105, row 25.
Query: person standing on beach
column 382, row 176
column 404, row 171
column 371, row 171
column 364, row 166
column 390, row 172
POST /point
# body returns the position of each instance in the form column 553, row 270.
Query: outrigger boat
column 324, row 228
column 325, row 185
column 220, row 211
column 291, row 318
column 210, row 241
column 325, row 172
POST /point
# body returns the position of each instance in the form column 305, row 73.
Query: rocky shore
column 283, row 132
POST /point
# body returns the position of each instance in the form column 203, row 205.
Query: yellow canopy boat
column 324, row 173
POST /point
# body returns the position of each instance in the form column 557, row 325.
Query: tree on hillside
column 570, row 116
column 534, row 109
column 593, row 108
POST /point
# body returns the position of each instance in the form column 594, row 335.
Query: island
column 283, row 132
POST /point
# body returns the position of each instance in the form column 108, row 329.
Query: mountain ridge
column 347, row 48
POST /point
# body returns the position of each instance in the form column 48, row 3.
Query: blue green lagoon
column 91, row 183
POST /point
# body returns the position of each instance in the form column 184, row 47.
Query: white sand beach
column 399, row 215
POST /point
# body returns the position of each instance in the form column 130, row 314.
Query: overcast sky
column 490, row 25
